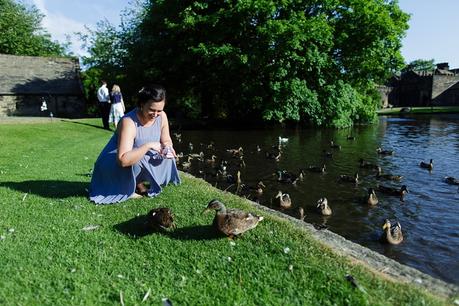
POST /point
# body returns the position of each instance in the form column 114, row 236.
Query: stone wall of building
column 28, row 105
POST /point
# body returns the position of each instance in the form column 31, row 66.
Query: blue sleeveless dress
column 112, row 183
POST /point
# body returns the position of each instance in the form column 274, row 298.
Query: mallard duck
column 259, row 189
column 317, row 169
column 381, row 151
column 212, row 160
column 334, row 145
column 232, row 222
column 186, row 165
column 327, row 154
column 322, row 206
column 283, row 139
column 451, row 180
column 392, row 234
column 371, row 198
column 301, row 214
column 394, row 191
column 388, row 176
column 274, row 155
column 348, row 178
column 367, row 165
column 161, row 218
column 285, row 201
column 236, row 152
column 286, row 177
column 427, row 165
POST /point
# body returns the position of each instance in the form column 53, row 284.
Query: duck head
column 215, row 205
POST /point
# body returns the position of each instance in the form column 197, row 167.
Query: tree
column 300, row 60
column 22, row 34
column 420, row 65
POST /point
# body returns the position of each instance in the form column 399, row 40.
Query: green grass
column 47, row 259
column 420, row 110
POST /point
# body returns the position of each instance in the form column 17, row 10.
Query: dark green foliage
column 305, row 61
column 420, row 65
column 22, row 34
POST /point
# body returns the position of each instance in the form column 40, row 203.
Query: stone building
column 27, row 81
column 439, row 87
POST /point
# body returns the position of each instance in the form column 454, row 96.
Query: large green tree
column 21, row 32
column 300, row 60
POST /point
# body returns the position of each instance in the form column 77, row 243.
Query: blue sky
column 432, row 32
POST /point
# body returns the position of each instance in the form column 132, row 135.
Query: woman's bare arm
column 127, row 155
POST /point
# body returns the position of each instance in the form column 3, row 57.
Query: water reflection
column 428, row 215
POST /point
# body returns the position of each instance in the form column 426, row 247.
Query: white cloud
column 59, row 26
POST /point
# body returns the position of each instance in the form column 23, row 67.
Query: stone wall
column 445, row 90
column 60, row 106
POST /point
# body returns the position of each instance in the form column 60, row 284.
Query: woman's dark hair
column 154, row 92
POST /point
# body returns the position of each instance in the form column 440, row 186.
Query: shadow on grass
column 138, row 227
column 50, row 189
column 84, row 123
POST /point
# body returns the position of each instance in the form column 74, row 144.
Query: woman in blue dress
column 139, row 151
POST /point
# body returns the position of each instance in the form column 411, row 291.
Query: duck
column 285, row 201
column 392, row 234
column 212, row 160
column 390, row 177
column 317, row 168
column 259, row 189
column 327, row 154
column 232, row 222
column 161, row 218
column 322, row 206
column 381, row 151
column 286, row 177
column 451, row 180
column 394, row 191
column 367, row 165
column 334, row 145
column 349, row 178
column 371, row 198
column 187, row 164
column 236, row 152
column 274, row 155
column 350, row 137
column 283, row 139
column 427, row 165
column 301, row 214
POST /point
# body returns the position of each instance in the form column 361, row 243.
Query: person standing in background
column 117, row 109
column 104, row 103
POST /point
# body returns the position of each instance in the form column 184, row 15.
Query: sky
column 432, row 32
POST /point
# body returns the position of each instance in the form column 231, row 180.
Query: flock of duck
column 232, row 222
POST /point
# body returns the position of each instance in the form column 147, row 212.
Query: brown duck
column 161, row 218
column 371, row 198
column 323, row 208
column 232, row 222
column 392, row 234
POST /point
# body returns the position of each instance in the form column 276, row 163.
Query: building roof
column 39, row 75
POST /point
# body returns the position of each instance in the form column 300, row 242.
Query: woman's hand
column 154, row 145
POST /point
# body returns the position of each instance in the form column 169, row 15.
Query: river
column 429, row 216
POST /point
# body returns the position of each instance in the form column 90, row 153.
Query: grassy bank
column 48, row 259
column 420, row 110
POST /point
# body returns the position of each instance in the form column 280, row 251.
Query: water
column 429, row 216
